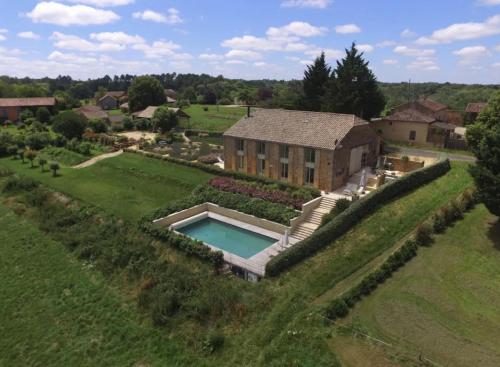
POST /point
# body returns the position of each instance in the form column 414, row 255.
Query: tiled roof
column 475, row 107
column 311, row 129
column 432, row 105
column 410, row 115
column 114, row 94
column 27, row 102
column 92, row 112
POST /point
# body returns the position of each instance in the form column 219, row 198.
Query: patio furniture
column 350, row 189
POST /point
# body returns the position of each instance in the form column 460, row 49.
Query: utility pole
column 409, row 90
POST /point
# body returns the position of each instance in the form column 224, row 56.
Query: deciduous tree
column 145, row 91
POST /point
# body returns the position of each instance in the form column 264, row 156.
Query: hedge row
column 443, row 218
column 221, row 172
column 352, row 215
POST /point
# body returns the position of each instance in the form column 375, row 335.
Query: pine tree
column 353, row 88
column 316, row 79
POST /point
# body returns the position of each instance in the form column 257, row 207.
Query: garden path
column 94, row 160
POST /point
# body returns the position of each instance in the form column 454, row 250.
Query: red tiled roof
column 114, row 94
column 92, row 112
column 410, row 115
column 476, row 107
column 27, row 102
column 432, row 105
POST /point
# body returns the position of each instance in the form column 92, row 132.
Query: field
column 444, row 303
column 217, row 118
column 128, row 186
column 58, row 311
column 280, row 322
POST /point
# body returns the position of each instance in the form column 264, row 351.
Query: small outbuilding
column 10, row 108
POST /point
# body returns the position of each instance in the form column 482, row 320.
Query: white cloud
column 2, row 37
column 365, row 48
column 390, row 62
column 3, row 30
column 260, row 64
column 299, row 29
column 161, row 49
column 72, row 58
column 408, row 33
column 415, row 52
column 306, row 62
column 386, row 44
column 210, row 57
column 172, row 16
column 425, row 65
column 330, row 53
column 463, row 31
column 471, row 54
column 28, row 35
column 496, row 65
column 252, row 43
column 235, row 62
column 65, row 15
column 103, row 3
column 180, row 65
column 320, row 4
column 243, row 54
column 347, row 28
column 117, row 37
column 489, row 2
column 71, row 42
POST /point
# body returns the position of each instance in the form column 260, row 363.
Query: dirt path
column 94, row 160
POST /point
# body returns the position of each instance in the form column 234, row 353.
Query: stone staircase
column 313, row 220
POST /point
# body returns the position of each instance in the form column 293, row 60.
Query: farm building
column 111, row 100
column 301, row 147
column 10, row 108
column 474, row 109
column 423, row 122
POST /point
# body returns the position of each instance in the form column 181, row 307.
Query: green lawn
column 129, row 185
column 445, row 302
column 56, row 311
column 217, row 118
column 116, row 112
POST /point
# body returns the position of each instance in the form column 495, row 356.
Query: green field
column 128, row 185
column 217, row 118
column 444, row 304
column 56, row 311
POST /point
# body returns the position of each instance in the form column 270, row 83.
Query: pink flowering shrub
column 240, row 187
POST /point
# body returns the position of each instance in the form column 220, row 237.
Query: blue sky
column 440, row 40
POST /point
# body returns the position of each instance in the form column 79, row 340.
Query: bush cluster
column 339, row 307
column 340, row 206
column 351, row 216
column 312, row 192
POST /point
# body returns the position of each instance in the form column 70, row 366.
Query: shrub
column 208, row 159
column 43, row 115
column 69, row 124
column 38, row 140
column 405, row 159
column 128, row 124
column 358, row 210
column 19, row 183
column 98, row 126
column 26, row 114
column 143, row 124
column 423, row 235
column 42, row 162
column 340, row 206
column 213, row 342
column 337, row 309
column 54, row 167
column 30, row 155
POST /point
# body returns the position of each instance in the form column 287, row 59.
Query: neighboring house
column 149, row 112
column 473, row 109
column 111, row 100
column 170, row 93
column 10, row 108
column 423, row 122
column 171, row 100
column 124, row 107
column 304, row 148
column 92, row 112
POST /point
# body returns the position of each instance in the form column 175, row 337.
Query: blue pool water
column 227, row 237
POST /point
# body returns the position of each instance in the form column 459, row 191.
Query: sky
column 422, row 40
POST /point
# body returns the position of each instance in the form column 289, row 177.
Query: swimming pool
column 227, row 237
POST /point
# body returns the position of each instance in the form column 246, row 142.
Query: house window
column 413, row 135
column 240, row 145
column 241, row 162
column 284, row 171
column 364, row 158
column 261, row 166
column 261, row 148
column 284, row 151
column 309, row 176
column 310, row 155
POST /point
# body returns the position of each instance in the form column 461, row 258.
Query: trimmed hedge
column 339, row 307
column 221, row 172
column 358, row 210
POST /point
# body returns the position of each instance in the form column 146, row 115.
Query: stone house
column 422, row 122
column 112, row 100
column 473, row 110
column 301, row 147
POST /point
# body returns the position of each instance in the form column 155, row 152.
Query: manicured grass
column 56, row 311
column 215, row 119
column 128, row 185
column 215, row 140
column 116, row 112
column 444, row 303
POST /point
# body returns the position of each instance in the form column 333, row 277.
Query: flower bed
column 229, row 184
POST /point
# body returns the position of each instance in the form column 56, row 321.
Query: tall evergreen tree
column 316, row 79
column 353, row 88
column 484, row 139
